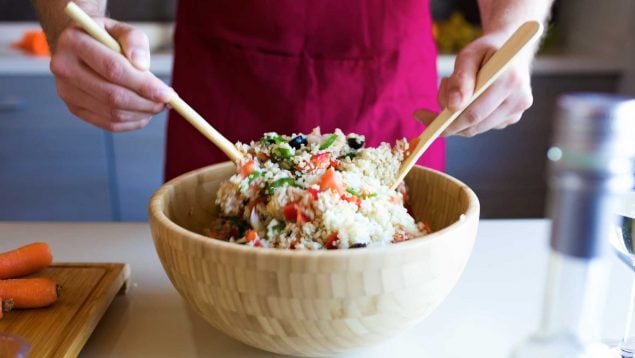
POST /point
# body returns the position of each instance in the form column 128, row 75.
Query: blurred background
column 55, row 167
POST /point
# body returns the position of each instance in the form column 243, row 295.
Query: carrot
column 25, row 260
column 251, row 235
column 34, row 43
column 6, row 305
column 30, row 292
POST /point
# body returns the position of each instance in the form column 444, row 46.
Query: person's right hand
column 103, row 87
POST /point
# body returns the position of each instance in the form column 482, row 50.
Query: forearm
column 504, row 16
column 54, row 20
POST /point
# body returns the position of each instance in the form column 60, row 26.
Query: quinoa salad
column 315, row 191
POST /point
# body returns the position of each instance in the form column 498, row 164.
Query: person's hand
column 502, row 104
column 103, row 87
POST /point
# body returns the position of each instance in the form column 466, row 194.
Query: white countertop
column 14, row 62
column 495, row 304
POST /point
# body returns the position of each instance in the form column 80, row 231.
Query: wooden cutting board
column 62, row 329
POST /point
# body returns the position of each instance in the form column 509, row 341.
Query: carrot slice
column 34, row 43
column 251, row 235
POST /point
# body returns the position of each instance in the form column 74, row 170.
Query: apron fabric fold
column 256, row 66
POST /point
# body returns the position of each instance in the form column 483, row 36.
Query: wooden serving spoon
column 497, row 64
column 100, row 34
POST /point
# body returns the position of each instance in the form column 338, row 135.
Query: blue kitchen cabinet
column 138, row 162
column 53, row 166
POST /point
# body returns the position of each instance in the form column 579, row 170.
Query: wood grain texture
column 61, row 330
column 312, row 303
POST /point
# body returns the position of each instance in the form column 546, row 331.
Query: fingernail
column 163, row 95
column 141, row 59
column 454, row 100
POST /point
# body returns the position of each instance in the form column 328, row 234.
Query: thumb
column 134, row 43
column 425, row 116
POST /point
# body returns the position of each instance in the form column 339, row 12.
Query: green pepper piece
column 240, row 224
column 277, row 228
column 329, row 141
column 359, row 195
column 352, row 192
column 271, row 139
column 255, row 174
column 281, row 225
column 279, row 183
column 347, row 155
column 281, row 152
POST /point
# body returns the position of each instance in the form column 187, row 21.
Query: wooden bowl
column 312, row 303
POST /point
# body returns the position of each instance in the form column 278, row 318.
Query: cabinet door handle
column 12, row 104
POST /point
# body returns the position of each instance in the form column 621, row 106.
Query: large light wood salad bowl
column 312, row 303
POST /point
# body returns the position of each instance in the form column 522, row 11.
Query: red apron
column 255, row 66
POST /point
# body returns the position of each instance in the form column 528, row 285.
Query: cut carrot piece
column 34, row 43
column 251, row 235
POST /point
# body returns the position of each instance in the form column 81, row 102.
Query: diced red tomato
column 247, row 168
column 314, row 193
column 426, row 228
column 262, row 156
column 290, row 212
column 332, row 241
column 399, row 236
column 293, row 213
column 331, row 181
column 335, row 163
column 321, row 160
column 352, row 199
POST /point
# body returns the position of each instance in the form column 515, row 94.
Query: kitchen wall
column 137, row 10
column 163, row 10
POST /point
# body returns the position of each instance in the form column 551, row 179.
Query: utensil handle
column 195, row 119
column 179, row 105
column 495, row 66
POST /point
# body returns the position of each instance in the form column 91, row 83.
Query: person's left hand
column 502, row 104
